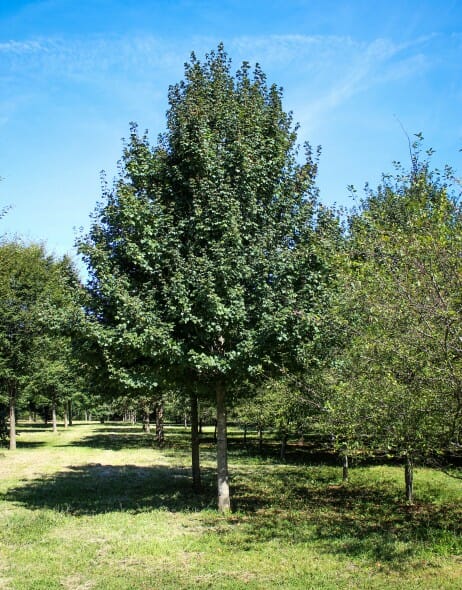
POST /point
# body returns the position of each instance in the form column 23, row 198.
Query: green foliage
column 37, row 304
column 398, row 385
column 203, row 257
column 24, row 274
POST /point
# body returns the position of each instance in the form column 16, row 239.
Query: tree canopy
column 203, row 258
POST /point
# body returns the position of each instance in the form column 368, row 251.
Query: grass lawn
column 98, row 507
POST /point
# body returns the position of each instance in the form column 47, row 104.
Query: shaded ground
column 290, row 504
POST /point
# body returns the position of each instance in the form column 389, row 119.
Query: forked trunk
column 12, row 423
column 224, row 504
column 409, row 478
column 195, row 457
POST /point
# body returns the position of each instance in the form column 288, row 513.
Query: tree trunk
column 409, row 478
column 245, row 434
column 69, row 411
column 146, row 423
column 283, row 446
column 195, row 457
column 12, row 423
column 66, row 416
column 185, row 420
column 53, row 417
column 260, row 440
column 160, row 424
column 345, row 466
column 224, row 504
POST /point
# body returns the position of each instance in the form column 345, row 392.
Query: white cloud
column 334, row 69
column 324, row 71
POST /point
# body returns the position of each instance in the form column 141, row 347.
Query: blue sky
column 74, row 73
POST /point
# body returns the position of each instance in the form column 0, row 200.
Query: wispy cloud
column 330, row 70
column 90, row 54
column 324, row 71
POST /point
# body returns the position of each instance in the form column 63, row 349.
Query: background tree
column 54, row 375
column 33, row 298
column 399, row 382
column 202, row 263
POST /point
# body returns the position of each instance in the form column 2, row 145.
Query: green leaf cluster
column 204, row 257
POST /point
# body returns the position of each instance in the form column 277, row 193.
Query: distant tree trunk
column 53, row 417
column 195, row 456
column 345, row 466
column 200, row 426
column 282, row 453
column 12, row 421
column 69, row 411
column 260, row 439
column 85, row 415
column 224, row 504
column 409, row 477
column 245, row 434
column 66, row 415
column 146, row 422
column 160, row 437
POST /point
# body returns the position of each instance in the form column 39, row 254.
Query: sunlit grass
column 99, row 506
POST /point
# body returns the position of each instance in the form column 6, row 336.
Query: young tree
column 399, row 382
column 202, row 262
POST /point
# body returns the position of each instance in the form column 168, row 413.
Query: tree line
column 216, row 276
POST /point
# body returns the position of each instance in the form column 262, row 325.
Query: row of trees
column 217, row 275
column 38, row 368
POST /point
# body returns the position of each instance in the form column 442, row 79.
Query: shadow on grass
column 27, row 444
column 115, row 441
column 361, row 521
column 96, row 489
column 25, row 430
column 118, row 436
column 285, row 504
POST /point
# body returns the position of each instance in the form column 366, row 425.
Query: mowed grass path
column 99, row 507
